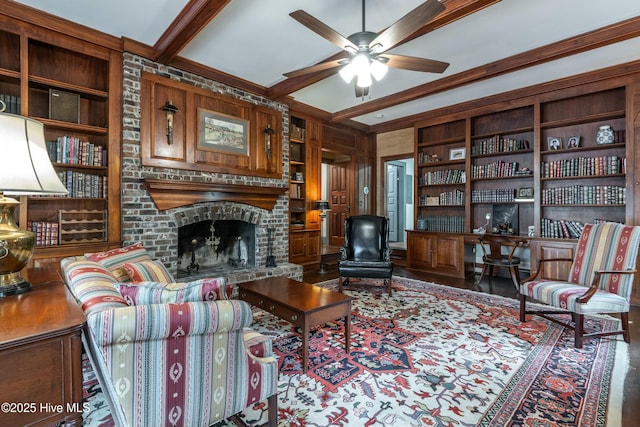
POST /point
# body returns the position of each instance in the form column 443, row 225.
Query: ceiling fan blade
column 314, row 68
column 405, row 26
column 361, row 91
column 323, row 30
column 415, row 64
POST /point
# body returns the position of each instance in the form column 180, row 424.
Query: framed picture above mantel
column 207, row 131
column 221, row 132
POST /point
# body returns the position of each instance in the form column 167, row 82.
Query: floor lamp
column 323, row 207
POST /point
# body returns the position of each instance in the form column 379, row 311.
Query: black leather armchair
column 366, row 252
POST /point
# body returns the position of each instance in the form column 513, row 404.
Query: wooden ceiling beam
column 604, row 36
column 189, row 22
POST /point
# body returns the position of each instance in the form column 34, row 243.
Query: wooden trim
column 604, row 36
column 186, row 26
column 172, row 194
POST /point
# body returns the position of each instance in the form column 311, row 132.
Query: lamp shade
column 322, row 205
column 25, row 167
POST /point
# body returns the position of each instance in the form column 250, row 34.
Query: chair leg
column 523, row 307
column 624, row 317
column 485, row 267
column 515, row 276
column 272, row 411
column 340, row 284
column 387, row 283
column 578, row 320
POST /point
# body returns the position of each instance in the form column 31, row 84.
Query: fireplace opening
column 216, row 246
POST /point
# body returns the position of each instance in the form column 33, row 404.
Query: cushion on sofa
column 93, row 285
column 143, row 293
column 115, row 259
column 148, row 271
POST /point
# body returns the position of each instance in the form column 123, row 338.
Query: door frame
column 383, row 193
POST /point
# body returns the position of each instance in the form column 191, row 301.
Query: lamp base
column 13, row 284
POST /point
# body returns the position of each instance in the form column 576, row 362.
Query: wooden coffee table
column 300, row 303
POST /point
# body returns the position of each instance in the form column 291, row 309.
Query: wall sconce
column 267, row 140
column 170, row 110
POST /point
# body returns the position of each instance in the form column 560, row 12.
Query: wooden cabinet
column 74, row 88
column 440, row 253
column 304, row 247
column 552, row 248
column 41, row 350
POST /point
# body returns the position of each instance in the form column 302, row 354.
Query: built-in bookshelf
column 67, row 84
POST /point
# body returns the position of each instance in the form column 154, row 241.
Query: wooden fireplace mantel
column 172, row 194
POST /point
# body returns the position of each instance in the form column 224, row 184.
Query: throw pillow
column 148, row 271
column 163, row 293
column 114, row 259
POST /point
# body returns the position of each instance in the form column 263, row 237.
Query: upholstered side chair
column 366, row 252
column 600, row 281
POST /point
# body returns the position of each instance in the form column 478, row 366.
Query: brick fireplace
column 157, row 201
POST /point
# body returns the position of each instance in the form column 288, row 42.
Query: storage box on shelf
column 72, row 87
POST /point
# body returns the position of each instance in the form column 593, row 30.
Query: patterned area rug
column 433, row 355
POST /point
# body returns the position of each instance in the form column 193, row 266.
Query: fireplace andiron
column 271, row 260
column 194, row 266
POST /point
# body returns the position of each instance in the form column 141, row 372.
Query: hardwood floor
column 504, row 287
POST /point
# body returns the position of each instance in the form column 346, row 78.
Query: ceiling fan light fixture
column 364, row 79
column 378, row 69
column 347, row 72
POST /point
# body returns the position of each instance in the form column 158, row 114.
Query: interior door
column 339, row 200
column 392, row 201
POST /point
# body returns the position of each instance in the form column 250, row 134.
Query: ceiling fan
column 364, row 52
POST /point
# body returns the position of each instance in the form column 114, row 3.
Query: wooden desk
column 302, row 304
column 41, row 354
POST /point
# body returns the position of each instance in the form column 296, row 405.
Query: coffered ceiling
column 493, row 46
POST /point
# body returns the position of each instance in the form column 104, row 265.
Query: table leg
column 305, row 347
column 347, row 333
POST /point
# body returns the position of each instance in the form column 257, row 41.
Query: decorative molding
column 172, row 194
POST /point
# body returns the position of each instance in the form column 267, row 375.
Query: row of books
column 84, row 185
column 452, row 198
column 498, row 144
column 449, row 176
column 496, row 169
column 47, row 233
column 12, row 103
column 584, row 195
column 449, row 223
column 584, row 166
column 496, row 195
column 560, row 228
column 71, row 150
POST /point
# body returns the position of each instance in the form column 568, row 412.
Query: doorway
column 398, row 197
column 336, row 187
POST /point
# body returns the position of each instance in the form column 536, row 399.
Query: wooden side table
column 41, row 354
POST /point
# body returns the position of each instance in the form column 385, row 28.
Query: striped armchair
column 172, row 354
column 600, row 280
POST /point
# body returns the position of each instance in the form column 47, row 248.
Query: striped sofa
column 172, row 354
column 600, row 280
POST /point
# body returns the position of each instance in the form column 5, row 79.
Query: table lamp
column 322, row 206
column 25, row 169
